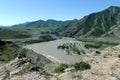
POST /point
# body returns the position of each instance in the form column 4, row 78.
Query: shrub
column 82, row 66
column 98, row 52
column 119, row 55
column 42, row 38
column 61, row 68
column 62, row 47
column 7, row 53
column 22, row 35
column 71, row 48
column 97, row 45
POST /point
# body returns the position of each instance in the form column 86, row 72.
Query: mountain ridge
column 99, row 24
column 45, row 23
column 95, row 25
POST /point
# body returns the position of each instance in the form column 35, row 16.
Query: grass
column 6, row 33
column 77, row 66
column 7, row 53
column 61, row 68
column 42, row 38
column 112, row 38
column 82, row 66
column 93, row 43
column 32, row 29
column 23, row 32
column 24, row 69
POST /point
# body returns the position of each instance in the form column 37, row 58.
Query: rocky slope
column 16, row 61
column 99, row 24
column 104, row 66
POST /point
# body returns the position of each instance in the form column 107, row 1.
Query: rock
column 6, row 75
column 21, row 54
column 113, row 78
column 68, row 69
column 65, row 76
column 20, row 63
column 34, row 68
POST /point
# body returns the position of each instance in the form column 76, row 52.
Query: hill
column 47, row 23
column 99, row 24
column 7, row 33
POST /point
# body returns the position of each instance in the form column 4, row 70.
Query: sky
column 19, row 11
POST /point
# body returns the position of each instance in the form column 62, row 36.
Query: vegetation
column 22, row 35
column 71, row 48
column 44, row 24
column 82, row 66
column 119, row 55
column 98, row 52
column 63, row 46
column 6, row 33
column 94, row 25
column 61, row 68
column 24, row 69
column 88, row 45
column 7, row 51
column 96, row 41
column 93, row 43
column 42, row 38
column 77, row 66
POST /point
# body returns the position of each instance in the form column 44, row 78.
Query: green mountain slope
column 6, row 33
column 47, row 23
column 104, row 23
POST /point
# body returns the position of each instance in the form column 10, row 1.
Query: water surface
column 49, row 49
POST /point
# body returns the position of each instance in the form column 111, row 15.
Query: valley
column 85, row 49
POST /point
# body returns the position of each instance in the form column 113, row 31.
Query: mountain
column 99, row 24
column 47, row 23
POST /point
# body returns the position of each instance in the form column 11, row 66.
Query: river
column 49, row 50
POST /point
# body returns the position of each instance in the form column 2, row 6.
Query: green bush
column 97, row 45
column 70, row 48
column 62, row 47
column 45, row 38
column 7, row 53
column 22, row 35
column 82, row 66
column 61, row 68
column 6, row 33
column 119, row 55
column 42, row 38
column 98, row 52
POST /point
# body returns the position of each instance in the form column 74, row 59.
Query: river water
column 49, row 50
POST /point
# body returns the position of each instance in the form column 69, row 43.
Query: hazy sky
column 19, row 11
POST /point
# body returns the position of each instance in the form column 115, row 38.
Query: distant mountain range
column 47, row 23
column 99, row 24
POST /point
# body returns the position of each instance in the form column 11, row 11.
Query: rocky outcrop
column 26, row 62
column 6, row 75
